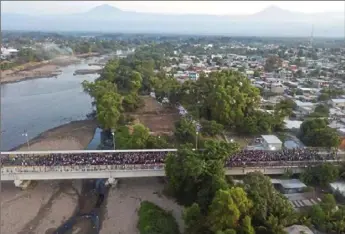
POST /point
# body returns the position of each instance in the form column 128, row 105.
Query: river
column 41, row 104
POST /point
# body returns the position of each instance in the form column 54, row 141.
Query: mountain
column 103, row 11
column 271, row 21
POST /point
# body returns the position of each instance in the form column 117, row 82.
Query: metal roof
column 271, row 139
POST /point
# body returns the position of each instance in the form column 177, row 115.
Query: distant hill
column 271, row 21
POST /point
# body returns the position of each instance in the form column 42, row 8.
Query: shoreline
column 47, row 204
column 81, row 131
column 43, row 69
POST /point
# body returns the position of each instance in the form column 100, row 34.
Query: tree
column 320, row 111
column 108, row 110
column 260, row 122
column 256, row 73
column 132, row 137
column 227, row 209
column 158, row 142
column 318, row 216
column 270, row 209
column 272, row 63
column 315, row 132
column 286, row 107
column 195, row 176
column 139, row 136
column 246, row 226
column 228, row 97
column 185, row 130
column 224, row 213
column 155, row 220
column 211, row 128
column 320, row 175
column 194, row 220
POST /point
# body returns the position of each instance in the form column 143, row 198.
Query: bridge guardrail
column 127, row 167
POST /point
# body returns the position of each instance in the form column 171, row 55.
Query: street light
column 27, row 139
column 196, row 140
column 113, row 133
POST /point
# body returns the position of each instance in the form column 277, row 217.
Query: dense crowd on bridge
column 242, row 158
column 257, row 157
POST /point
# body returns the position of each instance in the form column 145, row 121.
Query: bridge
column 19, row 173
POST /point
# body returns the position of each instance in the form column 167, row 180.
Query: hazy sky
column 194, row 7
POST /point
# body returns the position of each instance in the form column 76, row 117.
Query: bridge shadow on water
column 86, row 219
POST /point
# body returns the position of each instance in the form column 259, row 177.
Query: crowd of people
column 242, row 158
column 257, row 157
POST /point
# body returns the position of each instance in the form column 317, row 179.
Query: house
column 298, row 229
column 304, row 108
column 277, row 88
column 193, row 75
column 271, row 142
column 288, row 186
column 337, row 103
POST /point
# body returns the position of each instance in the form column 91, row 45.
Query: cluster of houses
column 304, row 81
column 7, row 53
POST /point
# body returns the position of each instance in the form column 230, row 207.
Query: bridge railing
column 126, row 167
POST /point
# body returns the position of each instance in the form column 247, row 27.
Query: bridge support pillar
column 111, row 181
column 23, row 184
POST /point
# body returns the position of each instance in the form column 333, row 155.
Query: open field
column 156, row 117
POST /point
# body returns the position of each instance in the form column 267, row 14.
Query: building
column 271, row 142
column 304, row 108
column 338, row 103
column 298, row 229
column 193, row 75
column 289, row 186
column 8, row 52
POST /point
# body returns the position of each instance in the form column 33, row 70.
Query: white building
column 271, row 142
column 8, row 52
column 338, row 103
column 298, row 229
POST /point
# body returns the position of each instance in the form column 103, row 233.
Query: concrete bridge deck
column 130, row 171
column 14, row 172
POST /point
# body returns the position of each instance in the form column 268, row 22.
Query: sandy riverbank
column 48, row 204
column 36, row 70
column 75, row 135
column 123, row 202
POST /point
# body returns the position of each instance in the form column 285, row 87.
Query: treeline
column 223, row 100
column 117, row 93
column 215, row 204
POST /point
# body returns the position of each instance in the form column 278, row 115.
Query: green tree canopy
column 315, row 132
column 320, row 175
column 155, row 220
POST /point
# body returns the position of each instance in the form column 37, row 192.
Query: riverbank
column 47, row 204
column 123, row 203
column 75, row 135
column 36, row 70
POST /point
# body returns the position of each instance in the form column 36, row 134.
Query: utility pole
column 113, row 133
column 27, row 138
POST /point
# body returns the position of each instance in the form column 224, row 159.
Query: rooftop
column 298, row 229
column 290, row 183
column 340, row 100
column 271, row 139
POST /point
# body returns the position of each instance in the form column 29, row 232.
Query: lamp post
column 197, row 129
column 27, row 138
column 113, row 133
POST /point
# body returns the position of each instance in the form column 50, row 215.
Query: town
column 215, row 101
